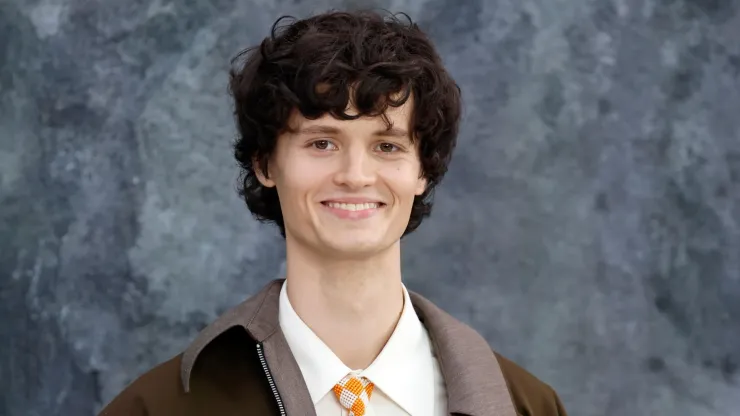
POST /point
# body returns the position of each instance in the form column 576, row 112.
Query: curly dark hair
column 376, row 57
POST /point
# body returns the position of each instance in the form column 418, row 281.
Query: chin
column 356, row 245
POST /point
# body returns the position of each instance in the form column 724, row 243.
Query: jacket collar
column 473, row 378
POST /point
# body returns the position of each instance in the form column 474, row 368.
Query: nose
column 355, row 171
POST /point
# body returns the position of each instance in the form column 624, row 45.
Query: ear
column 421, row 185
column 260, row 174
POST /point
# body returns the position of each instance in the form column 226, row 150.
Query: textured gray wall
column 589, row 226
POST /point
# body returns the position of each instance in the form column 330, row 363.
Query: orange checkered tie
column 354, row 394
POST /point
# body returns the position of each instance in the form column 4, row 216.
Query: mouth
column 353, row 207
column 353, row 210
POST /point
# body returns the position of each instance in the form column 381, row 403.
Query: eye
column 387, row 147
column 323, row 145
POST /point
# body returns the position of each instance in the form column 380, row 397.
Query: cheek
column 301, row 177
column 403, row 180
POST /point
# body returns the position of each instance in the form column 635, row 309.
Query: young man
column 347, row 122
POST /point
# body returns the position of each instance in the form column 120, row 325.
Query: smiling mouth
column 354, row 207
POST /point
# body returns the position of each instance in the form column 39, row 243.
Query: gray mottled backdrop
column 589, row 226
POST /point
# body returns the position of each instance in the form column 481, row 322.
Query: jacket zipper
column 270, row 380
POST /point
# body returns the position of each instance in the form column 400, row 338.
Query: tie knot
column 354, row 394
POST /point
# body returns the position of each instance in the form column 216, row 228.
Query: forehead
column 394, row 120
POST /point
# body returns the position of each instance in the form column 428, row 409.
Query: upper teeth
column 353, row 207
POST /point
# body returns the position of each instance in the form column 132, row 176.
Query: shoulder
column 227, row 375
column 531, row 396
column 161, row 382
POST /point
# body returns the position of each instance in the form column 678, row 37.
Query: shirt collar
column 403, row 370
column 321, row 368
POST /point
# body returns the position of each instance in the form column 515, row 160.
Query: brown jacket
column 242, row 365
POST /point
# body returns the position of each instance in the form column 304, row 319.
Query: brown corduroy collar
column 473, row 378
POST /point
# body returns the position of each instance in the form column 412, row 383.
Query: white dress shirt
column 406, row 374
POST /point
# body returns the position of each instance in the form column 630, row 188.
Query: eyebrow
column 325, row 129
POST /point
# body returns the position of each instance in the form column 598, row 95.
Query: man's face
column 346, row 187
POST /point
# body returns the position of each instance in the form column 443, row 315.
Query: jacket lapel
column 258, row 315
column 287, row 375
column 473, row 378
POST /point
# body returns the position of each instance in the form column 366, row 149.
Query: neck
column 352, row 305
